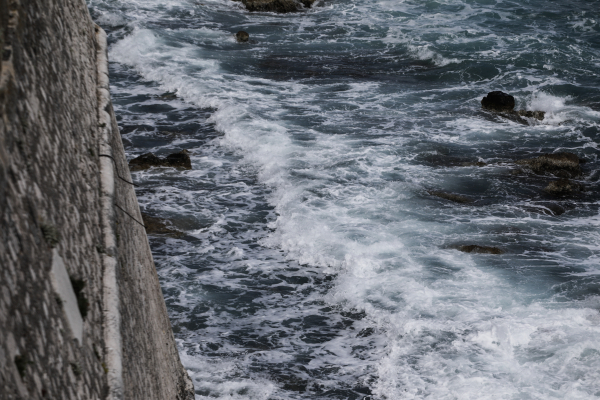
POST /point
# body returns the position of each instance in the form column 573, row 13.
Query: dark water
column 315, row 262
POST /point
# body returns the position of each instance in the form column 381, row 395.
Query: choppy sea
column 314, row 261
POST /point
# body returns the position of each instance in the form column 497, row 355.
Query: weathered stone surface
column 442, row 160
column 145, row 161
column 564, row 165
column 563, row 187
column 179, row 160
column 157, row 226
column 498, row 101
column 281, row 6
column 504, row 105
column 457, row 198
column 242, row 36
column 474, row 248
column 539, row 115
column 54, row 183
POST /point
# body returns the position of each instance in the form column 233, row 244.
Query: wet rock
column 504, row 104
column 242, row 36
column 180, row 160
column 563, row 187
column 157, row 226
column 145, row 161
column 473, row 164
column 474, row 248
column 281, row 6
column 539, row 115
column 498, row 101
column 563, row 165
column 457, row 198
column 167, row 96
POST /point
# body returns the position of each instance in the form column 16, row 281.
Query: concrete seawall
column 81, row 311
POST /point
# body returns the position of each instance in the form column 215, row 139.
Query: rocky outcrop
column 477, row 249
column 457, row 198
column 242, row 36
column 504, row 104
column 180, row 160
column 539, row 115
column 157, row 226
column 563, row 187
column 563, row 165
column 280, row 6
column 81, row 313
column 498, row 101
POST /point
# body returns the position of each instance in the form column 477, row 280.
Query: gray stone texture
column 59, row 198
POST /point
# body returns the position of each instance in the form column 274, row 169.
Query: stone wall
column 81, row 311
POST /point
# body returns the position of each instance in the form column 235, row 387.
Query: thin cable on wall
column 130, row 216
column 120, row 177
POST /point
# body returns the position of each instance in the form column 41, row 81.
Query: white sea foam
column 338, row 160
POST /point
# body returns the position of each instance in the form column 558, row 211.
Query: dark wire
column 117, row 172
column 130, row 216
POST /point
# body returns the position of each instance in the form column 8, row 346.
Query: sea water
column 314, row 261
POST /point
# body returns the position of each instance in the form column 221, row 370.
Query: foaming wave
column 558, row 110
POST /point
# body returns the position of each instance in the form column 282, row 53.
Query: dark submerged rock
column 564, row 165
column 539, row 115
column 307, row 3
column 167, row 96
column 473, row 164
column 504, row 104
column 457, row 198
column 498, row 101
column 157, row 226
column 145, row 161
column 281, row 6
column 474, row 248
column 180, row 160
column 242, row 36
column 563, row 187
column 442, row 160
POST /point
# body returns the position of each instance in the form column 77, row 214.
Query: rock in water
column 145, row 161
column 473, row 248
column 242, row 36
column 157, row 226
column 562, row 187
column 539, row 115
column 457, row 198
column 564, row 165
column 148, row 160
column 282, row 6
column 498, row 101
column 180, row 160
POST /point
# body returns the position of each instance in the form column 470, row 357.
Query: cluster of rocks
column 180, row 160
column 280, row 6
column 504, row 104
column 563, row 165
